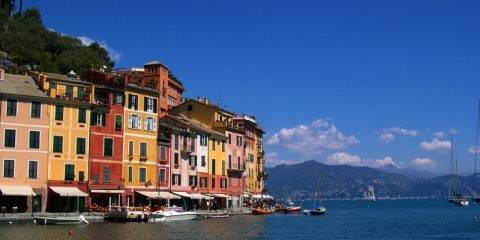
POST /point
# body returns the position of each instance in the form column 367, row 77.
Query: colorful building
column 24, row 144
column 140, row 137
column 106, row 142
column 235, row 160
column 71, row 100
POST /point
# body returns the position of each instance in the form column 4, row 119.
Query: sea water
column 383, row 219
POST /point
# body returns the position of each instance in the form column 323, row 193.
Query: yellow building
column 70, row 103
column 217, row 119
column 140, row 141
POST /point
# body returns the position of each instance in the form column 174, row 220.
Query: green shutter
column 59, row 112
column 69, row 172
column 57, row 144
column 108, row 147
column 82, row 115
column 80, row 145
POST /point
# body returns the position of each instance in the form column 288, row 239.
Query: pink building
column 235, row 161
column 24, row 141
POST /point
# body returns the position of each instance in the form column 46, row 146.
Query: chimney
column 2, row 74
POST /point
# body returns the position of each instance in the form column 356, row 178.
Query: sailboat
column 476, row 197
column 454, row 195
column 370, row 194
column 318, row 210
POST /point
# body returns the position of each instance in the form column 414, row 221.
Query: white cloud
column 436, row 145
column 438, row 134
column 388, row 135
column 114, row 55
column 343, row 158
column 386, row 161
column 271, row 160
column 471, row 149
column 311, row 139
column 424, row 163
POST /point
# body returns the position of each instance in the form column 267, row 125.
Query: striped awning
column 158, row 195
column 220, row 195
column 17, row 190
column 199, row 196
column 69, row 192
column 183, row 194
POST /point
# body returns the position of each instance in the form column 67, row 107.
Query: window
column 133, row 102
column 229, row 138
column 161, row 176
column 162, row 154
column 223, row 168
column 192, row 181
column 229, row 161
column 80, row 145
column 130, row 148
column 130, row 173
column 203, row 182
column 171, row 101
column 239, row 140
column 223, row 146
column 150, row 124
column 142, row 174
column 175, row 159
column 57, row 144
column 204, row 163
column 107, row 147
column 213, row 182
column 118, row 122
column 35, row 110
column 10, row 135
column 81, row 93
column 34, row 140
column 223, row 183
column 213, row 144
column 82, row 115
column 8, row 168
column 203, row 140
column 193, row 139
column 81, row 176
column 213, row 166
column 176, row 179
column 106, row 174
column 69, row 172
column 176, row 141
column 133, row 121
column 189, row 107
column 238, row 162
column 184, row 145
column 143, row 149
column 193, row 160
column 59, row 112
column 11, row 107
column 119, row 98
column 150, row 105
column 53, row 84
column 97, row 119
column 32, row 169
column 69, row 91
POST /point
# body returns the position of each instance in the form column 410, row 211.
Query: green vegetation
column 30, row 45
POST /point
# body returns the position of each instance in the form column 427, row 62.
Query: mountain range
column 299, row 181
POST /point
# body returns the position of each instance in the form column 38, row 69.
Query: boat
column 461, row 202
column 315, row 212
column 370, row 194
column 217, row 215
column 60, row 220
column 127, row 214
column 292, row 209
column 454, row 194
column 172, row 215
column 261, row 211
column 476, row 197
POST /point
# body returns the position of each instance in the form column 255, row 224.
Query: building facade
column 24, row 145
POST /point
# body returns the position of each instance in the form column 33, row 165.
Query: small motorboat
column 217, row 215
column 461, row 202
column 60, row 220
column 171, row 215
column 260, row 211
column 294, row 209
column 315, row 212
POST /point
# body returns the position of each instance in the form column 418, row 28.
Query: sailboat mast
column 476, row 140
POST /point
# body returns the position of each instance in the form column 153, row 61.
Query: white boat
column 60, row 220
column 171, row 215
column 315, row 212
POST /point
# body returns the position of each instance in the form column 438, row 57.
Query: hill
column 347, row 182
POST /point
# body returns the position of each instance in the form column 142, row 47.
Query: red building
column 106, row 142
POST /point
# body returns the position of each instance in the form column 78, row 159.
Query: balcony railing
column 63, row 95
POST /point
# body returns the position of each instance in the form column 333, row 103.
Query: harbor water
column 384, row 219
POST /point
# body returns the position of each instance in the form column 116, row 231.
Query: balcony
column 63, row 95
column 236, row 173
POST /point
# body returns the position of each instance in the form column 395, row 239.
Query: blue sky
column 340, row 77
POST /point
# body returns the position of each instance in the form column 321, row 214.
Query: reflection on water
column 237, row 227
column 401, row 219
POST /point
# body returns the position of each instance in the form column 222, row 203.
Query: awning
column 106, row 191
column 183, row 194
column 158, row 195
column 199, row 196
column 220, row 195
column 69, row 192
column 16, row 190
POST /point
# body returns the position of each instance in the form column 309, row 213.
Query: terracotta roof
column 187, row 122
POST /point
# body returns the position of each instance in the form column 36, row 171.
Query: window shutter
column 136, row 102
column 130, row 121
column 139, row 123
column 145, row 104
column 104, row 119
column 154, row 124
column 129, row 101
